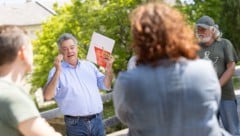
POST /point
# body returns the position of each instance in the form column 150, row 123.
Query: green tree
column 199, row 8
column 108, row 17
column 230, row 22
column 82, row 18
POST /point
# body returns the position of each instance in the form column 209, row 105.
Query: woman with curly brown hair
column 171, row 92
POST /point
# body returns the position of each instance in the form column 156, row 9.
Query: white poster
column 100, row 46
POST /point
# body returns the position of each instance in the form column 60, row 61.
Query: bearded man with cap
column 222, row 54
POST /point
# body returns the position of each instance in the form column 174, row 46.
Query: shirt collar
column 65, row 64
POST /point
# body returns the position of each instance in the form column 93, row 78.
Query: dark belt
column 88, row 117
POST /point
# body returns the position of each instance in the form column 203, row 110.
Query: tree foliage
column 82, row 18
column 199, row 8
column 110, row 18
column 230, row 22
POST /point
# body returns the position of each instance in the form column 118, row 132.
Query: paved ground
column 119, row 133
column 237, row 92
column 237, row 71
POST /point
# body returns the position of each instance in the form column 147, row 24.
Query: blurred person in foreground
column 18, row 114
column 222, row 54
column 171, row 92
column 75, row 84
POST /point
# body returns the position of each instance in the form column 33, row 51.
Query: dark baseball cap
column 205, row 22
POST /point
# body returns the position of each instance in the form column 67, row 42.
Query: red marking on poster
column 101, row 54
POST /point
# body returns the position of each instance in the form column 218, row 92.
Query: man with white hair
column 222, row 54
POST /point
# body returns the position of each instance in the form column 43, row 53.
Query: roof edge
column 46, row 8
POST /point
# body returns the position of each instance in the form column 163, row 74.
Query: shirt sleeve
column 100, row 78
column 50, row 75
column 119, row 98
column 229, row 52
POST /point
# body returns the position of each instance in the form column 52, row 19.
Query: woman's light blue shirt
column 174, row 99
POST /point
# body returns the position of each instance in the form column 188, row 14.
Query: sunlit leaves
column 82, row 18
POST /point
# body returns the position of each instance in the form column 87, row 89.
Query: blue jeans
column 229, row 116
column 84, row 127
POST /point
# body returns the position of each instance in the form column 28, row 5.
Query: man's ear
column 22, row 53
column 212, row 29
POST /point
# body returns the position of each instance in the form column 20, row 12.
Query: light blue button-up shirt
column 77, row 91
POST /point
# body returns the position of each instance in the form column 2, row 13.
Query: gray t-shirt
column 221, row 52
column 16, row 106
